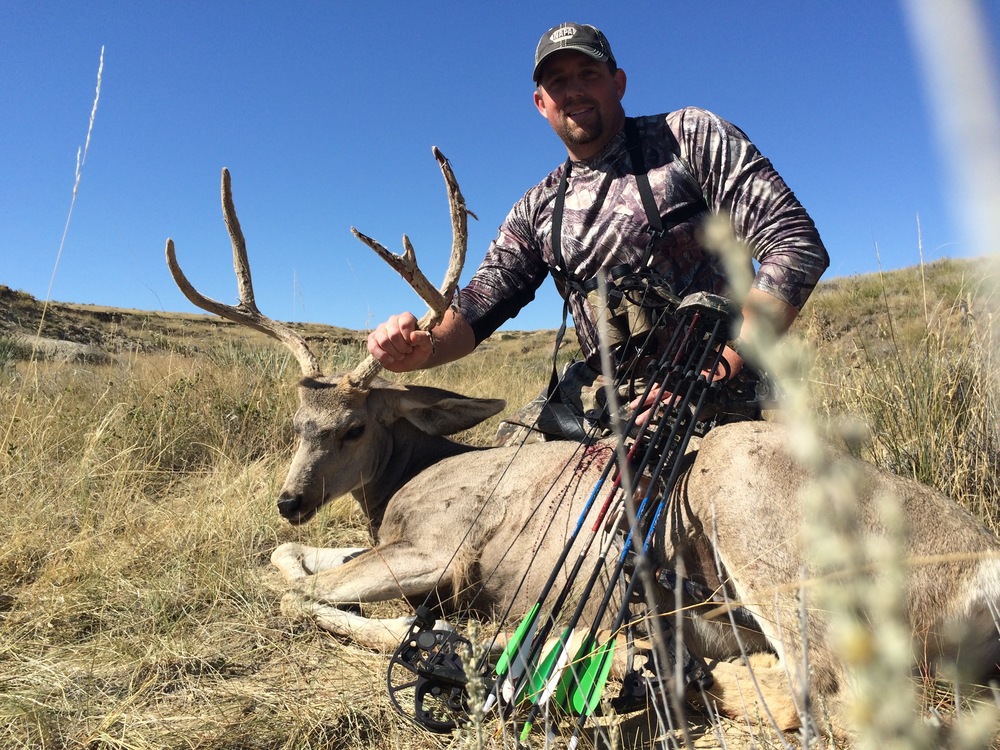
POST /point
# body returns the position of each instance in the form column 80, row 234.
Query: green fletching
column 553, row 663
column 583, row 682
column 525, row 731
column 516, row 651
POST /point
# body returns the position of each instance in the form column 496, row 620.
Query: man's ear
column 540, row 103
column 620, row 82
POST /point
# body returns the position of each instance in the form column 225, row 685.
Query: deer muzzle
column 291, row 508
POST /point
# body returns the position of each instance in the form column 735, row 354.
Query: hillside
column 118, row 330
column 844, row 313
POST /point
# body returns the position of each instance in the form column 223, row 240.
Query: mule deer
column 484, row 527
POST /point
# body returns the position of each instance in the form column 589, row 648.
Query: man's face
column 581, row 99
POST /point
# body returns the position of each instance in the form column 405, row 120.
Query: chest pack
column 632, row 294
column 657, row 225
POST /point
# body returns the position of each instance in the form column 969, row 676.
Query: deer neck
column 410, row 452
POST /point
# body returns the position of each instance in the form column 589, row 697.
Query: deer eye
column 354, row 432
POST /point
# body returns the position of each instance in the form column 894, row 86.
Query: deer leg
column 297, row 561
column 965, row 641
column 380, row 634
column 391, row 572
column 756, row 686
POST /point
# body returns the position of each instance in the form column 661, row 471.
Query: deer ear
column 439, row 412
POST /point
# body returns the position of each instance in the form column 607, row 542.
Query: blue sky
column 325, row 113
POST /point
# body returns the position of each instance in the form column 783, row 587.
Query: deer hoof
column 294, row 606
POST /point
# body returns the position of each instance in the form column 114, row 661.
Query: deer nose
column 289, row 506
column 297, row 507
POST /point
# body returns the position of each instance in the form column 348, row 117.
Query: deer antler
column 406, row 266
column 246, row 312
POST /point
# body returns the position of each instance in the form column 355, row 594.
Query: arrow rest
column 426, row 677
column 643, row 683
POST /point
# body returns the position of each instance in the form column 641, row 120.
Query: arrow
column 584, row 682
column 545, row 674
column 580, row 688
column 535, row 678
column 521, row 649
column 516, row 658
column 555, row 662
column 549, row 677
column 600, row 660
column 558, row 654
column 588, row 672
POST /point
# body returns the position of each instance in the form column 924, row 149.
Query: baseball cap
column 575, row 36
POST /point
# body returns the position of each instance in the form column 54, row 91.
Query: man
column 632, row 195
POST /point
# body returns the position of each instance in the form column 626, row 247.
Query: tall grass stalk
column 81, row 158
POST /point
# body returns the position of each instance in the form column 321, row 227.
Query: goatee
column 573, row 134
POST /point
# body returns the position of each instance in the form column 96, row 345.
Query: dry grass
column 137, row 607
column 917, row 372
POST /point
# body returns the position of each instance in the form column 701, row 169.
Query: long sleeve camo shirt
column 697, row 164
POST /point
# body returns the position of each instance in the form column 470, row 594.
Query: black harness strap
column 566, row 423
column 557, row 219
column 634, row 146
column 554, row 410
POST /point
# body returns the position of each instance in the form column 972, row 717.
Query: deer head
column 357, row 432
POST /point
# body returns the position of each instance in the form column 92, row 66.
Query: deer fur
column 466, row 528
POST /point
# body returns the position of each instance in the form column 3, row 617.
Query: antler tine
column 246, row 312
column 241, row 264
column 406, row 264
column 459, row 231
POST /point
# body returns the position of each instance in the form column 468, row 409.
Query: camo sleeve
column 509, row 275
column 737, row 181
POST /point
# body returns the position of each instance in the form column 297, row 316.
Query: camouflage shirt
column 697, row 164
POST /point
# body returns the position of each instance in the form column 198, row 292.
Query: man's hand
column 399, row 346
column 729, row 356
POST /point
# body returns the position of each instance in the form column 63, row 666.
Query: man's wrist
column 738, row 345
